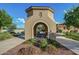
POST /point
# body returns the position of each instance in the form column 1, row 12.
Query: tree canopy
column 12, row 28
column 5, row 19
column 71, row 17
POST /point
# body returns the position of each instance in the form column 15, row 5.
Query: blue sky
column 17, row 10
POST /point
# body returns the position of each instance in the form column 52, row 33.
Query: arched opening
column 40, row 30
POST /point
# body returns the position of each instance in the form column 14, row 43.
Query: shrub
column 5, row 35
column 59, row 31
column 53, row 42
column 32, row 41
column 72, row 35
column 43, row 43
column 51, row 49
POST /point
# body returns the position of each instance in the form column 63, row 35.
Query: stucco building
column 64, row 28
column 40, row 22
column 61, row 27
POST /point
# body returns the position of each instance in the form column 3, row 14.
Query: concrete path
column 9, row 44
column 71, row 44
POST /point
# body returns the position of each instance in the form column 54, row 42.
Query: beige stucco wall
column 46, row 18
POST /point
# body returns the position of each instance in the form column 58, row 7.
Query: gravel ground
column 60, row 51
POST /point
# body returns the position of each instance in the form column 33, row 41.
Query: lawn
column 5, row 35
column 72, row 35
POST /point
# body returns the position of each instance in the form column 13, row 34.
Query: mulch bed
column 26, row 49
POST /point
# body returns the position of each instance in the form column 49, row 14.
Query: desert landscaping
column 32, row 47
column 41, row 35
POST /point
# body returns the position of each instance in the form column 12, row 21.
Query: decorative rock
column 30, row 50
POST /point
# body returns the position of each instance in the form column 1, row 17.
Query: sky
column 17, row 11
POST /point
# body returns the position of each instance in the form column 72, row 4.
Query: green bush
column 43, row 43
column 5, row 35
column 32, row 41
column 53, row 42
column 72, row 35
column 59, row 31
column 51, row 49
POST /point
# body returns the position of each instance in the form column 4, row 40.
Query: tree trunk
column 0, row 28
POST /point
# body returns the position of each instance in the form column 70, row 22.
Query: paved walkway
column 73, row 45
column 10, row 43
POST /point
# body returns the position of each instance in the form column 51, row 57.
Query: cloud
column 65, row 11
column 57, row 22
column 21, row 20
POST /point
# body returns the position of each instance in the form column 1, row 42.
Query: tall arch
column 40, row 30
